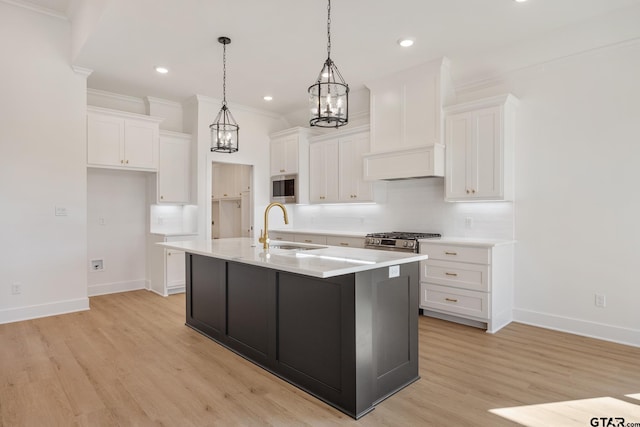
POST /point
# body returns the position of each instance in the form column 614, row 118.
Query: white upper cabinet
column 479, row 144
column 290, row 156
column 323, row 172
column 117, row 139
column 335, row 167
column 284, row 155
column 407, row 122
column 352, row 186
column 174, row 167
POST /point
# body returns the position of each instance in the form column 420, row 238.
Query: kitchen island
column 339, row 323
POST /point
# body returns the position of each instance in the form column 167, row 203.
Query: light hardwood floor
column 130, row 360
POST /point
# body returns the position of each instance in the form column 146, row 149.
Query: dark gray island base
column 349, row 340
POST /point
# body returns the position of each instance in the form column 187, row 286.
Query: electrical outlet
column 96, row 265
column 16, row 288
column 61, row 210
column 600, row 300
column 468, row 222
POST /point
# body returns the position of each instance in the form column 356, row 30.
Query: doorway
column 231, row 200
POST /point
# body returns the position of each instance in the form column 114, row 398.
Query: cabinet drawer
column 354, row 242
column 453, row 300
column 278, row 235
column 474, row 277
column 456, row 253
column 310, row 238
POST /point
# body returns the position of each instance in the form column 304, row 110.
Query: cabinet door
column 284, row 156
column 459, row 141
column 105, row 136
column 352, row 186
column 174, row 169
column 175, row 264
column 486, row 159
column 141, row 144
column 323, row 172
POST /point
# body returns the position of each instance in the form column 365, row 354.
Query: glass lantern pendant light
column 329, row 95
column 224, row 129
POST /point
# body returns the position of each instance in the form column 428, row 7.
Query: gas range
column 397, row 240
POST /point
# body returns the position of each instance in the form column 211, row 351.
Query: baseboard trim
column 585, row 328
column 19, row 314
column 115, row 287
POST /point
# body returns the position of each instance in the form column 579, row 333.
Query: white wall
column 42, row 165
column 117, row 211
column 578, row 203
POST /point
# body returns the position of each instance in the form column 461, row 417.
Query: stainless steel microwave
column 284, row 188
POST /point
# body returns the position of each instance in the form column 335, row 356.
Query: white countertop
column 326, row 262
column 464, row 241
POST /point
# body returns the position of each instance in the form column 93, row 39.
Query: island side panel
column 205, row 299
column 387, row 325
column 316, row 336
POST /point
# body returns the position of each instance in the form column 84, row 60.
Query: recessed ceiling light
column 268, row 98
column 406, row 42
column 520, row 1
column 162, row 70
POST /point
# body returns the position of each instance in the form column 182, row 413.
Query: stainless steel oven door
column 389, row 248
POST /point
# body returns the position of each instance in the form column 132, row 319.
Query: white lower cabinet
column 353, row 242
column 317, row 239
column 166, row 267
column 468, row 282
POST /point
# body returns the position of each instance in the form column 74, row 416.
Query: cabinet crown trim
column 292, row 131
column 339, row 134
column 493, row 101
column 123, row 114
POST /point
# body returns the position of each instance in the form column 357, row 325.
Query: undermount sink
column 290, row 247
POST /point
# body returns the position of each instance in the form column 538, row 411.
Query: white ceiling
column 278, row 46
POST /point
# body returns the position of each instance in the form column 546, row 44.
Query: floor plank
column 130, row 360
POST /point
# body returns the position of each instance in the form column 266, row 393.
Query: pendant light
column 224, row 129
column 329, row 95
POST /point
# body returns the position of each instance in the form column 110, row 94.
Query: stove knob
column 377, row 241
column 411, row 244
column 405, row 244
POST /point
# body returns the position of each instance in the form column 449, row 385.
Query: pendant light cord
column 329, row 30
column 224, row 74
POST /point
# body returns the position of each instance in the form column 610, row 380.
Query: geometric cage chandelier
column 224, row 129
column 329, row 95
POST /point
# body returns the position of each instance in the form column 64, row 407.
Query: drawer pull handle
column 452, row 274
column 344, row 244
column 451, row 300
column 308, row 241
column 450, row 253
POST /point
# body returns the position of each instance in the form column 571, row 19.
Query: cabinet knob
column 468, row 191
column 161, row 197
column 281, row 170
column 225, row 194
column 122, row 161
column 473, row 191
column 169, row 253
column 126, row 161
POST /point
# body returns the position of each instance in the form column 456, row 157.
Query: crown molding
column 153, row 100
column 86, row 72
column 36, row 8
column 473, row 85
column 115, row 96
